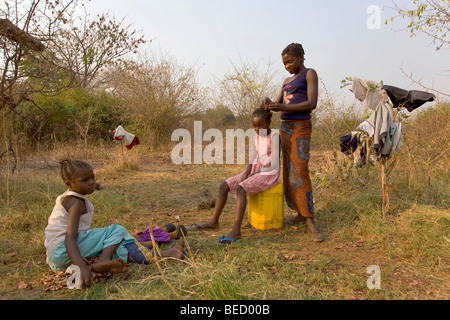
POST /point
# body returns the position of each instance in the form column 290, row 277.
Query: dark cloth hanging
column 411, row 100
column 348, row 144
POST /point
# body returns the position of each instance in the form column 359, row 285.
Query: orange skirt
column 295, row 144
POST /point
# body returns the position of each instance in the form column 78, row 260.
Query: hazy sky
column 334, row 34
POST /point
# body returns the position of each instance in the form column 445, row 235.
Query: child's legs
column 241, row 204
column 108, row 243
column 220, row 202
column 108, row 252
column 60, row 260
column 136, row 252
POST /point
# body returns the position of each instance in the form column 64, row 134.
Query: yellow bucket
column 266, row 209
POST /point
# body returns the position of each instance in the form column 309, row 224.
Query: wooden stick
column 384, row 188
column 122, row 160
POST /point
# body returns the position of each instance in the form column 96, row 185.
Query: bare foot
column 113, row 266
column 233, row 235
column 294, row 220
column 313, row 230
column 176, row 251
column 203, row 226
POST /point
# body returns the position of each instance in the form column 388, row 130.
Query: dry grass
column 410, row 243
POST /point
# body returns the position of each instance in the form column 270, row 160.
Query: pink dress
column 267, row 178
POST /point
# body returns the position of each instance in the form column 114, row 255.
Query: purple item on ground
column 158, row 234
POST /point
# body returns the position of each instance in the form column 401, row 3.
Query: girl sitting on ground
column 69, row 239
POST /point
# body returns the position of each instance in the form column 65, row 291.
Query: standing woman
column 297, row 98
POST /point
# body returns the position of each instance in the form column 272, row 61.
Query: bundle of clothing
column 361, row 141
column 379, row 132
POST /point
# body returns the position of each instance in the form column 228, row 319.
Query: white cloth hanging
column 129, row 139
column 370, row 92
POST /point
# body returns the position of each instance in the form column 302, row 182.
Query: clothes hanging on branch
column 378, row 131
column 369, row 92
column 411, row 100
column 358, row 140
column 129, row 139
column 386, row 134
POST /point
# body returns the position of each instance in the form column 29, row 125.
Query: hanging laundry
column 367, row 127
column 411, row 100
column 358, row 140
column 129, row 139
column 370, row 92
column 348, row 144
column 386, row 134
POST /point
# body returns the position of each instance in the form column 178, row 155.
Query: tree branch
column 15, row 34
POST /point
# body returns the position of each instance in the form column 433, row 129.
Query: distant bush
column 219, row 117
column 331, row 121
column 71, row 115
column 426, row 138
column 156, row 96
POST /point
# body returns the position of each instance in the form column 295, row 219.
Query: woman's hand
column 274, row 106
column 265, row 103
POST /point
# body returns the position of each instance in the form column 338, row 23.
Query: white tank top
column 55, row 232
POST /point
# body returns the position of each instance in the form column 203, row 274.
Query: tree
column 245, row 86
column 156, row 95
column 25, row 27
column 430, row 17
column 87, row 47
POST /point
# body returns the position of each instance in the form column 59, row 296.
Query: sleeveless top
column 55, row 232
column 294, row 92
column 263, row 147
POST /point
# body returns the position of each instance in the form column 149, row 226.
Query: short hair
column 294, row 49
column 264, row 114
column 70, row 167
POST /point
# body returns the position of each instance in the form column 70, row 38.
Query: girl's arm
column 76, row 207
column 266, row 101
column 313, row 92
column 246, row 172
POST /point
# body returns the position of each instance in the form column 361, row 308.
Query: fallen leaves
column 289, row 258
column 23, row 285
column 58, row 281
column 273, row 270
column 312, row 292
column 54, row 282
column 246, row 267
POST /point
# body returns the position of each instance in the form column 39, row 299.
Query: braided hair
column 263, row 114
column 69, row 169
